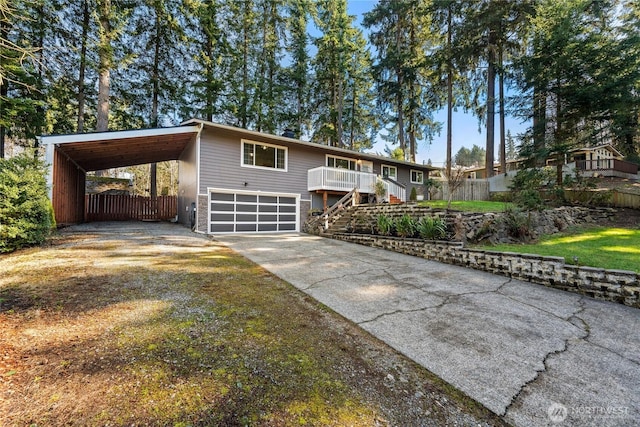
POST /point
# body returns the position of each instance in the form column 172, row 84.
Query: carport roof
column 105, row 150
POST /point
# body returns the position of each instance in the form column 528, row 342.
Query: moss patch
column 124, row 330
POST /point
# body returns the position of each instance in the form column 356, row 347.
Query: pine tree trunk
column 209, row 73
column 352, row 122
column 399, row 99
column 401, row 140
column 491, row 94
column 244, row 102
column 104, row 70
column 104, row 67
column 155, row 79
column 449, row 94
column 4, row 90
column 503, row 148
column 40, row 48
column 82, row 65
column 339, row 106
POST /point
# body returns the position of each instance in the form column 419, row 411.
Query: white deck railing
column 395, row 189
column 335, row 179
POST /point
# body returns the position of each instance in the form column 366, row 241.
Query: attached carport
column 70, row 157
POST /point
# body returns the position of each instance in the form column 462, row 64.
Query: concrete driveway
column 535, row 355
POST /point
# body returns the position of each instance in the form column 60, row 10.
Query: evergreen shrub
column 26, row 214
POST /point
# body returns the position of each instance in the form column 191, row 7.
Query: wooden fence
column 617, row 198
column 115, row 207
column 470, row 189
column 625, row 200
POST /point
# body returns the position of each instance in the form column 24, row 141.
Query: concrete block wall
column 609, row 285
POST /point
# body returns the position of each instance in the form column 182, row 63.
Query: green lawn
column 470, row 205
column 611, row 248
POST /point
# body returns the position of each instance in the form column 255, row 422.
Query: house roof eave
column 308, row 144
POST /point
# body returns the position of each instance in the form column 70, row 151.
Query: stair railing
column 394, row 188
column 349, row 199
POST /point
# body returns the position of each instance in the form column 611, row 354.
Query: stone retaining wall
column 476, row 227
column 609, row 285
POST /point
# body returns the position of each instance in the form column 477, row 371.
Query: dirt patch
column 148, row 324
column 624, row 218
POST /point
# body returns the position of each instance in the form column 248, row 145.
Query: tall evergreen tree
column 582, row 73
column 486, row 37
column 296, row 111
column 242, row 71
column 158, row 64
column 207, row 44
column 21, row 73
column 400, row 35
column 511, row 153
column 624, row 91
column 451, row 62
column 105, row 56
column 157, row 61
column 269, row 90
column 71, row 98
column 341, row 51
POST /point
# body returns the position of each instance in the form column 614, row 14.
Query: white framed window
column 366, row 166
column 265, row 156
column 417, row 177
column 390, row 172
column 341, row 162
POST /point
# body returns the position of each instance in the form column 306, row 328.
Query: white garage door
column 245, row 211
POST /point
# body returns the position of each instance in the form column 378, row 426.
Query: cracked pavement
column 535, row 355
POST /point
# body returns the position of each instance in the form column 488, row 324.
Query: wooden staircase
column 393, row 200
column 340, row 221
column 339, row 216
column 335, row 212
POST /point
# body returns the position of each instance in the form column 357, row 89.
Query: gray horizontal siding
column 221, row 156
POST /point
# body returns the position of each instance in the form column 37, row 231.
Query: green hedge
column 26, row 214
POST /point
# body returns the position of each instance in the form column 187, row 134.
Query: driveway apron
column 535, row 355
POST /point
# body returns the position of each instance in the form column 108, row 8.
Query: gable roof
column 296, row 142
column 603, row 146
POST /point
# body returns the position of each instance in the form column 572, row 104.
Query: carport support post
column 325, row 197
column 153, row 174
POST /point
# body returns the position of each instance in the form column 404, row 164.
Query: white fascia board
column 200, row 126
column 106, row 136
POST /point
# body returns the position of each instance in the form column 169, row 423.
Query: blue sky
column 465, row 126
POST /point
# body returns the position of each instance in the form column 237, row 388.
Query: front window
column 417, row 177
column 264, row 155
column 341, row 163
column 390, row 172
